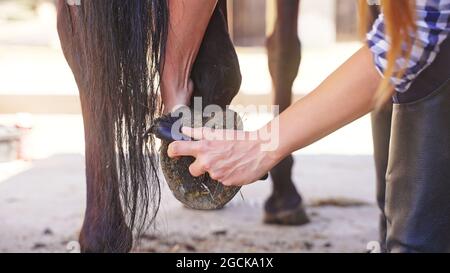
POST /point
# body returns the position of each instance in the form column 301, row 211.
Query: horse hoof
column 286, row 209
column 289, row 217
column 105, row 239
column 200, row 193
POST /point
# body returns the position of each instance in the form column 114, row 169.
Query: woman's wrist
column 270, row 155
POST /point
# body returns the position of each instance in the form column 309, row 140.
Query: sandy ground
column 238, row 228
column 41, row 210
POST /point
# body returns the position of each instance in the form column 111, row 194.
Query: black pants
column 412, row 158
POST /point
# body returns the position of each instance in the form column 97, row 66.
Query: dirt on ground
column 41, row 210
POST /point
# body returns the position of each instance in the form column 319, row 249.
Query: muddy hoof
column 114, row 238
column 290, row 217
column 201, row 193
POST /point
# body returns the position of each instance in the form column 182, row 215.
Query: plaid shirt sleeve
column 433, row 27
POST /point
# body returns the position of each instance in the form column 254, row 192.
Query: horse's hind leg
column 216, row 73
column 104, row 228
column 284, row 206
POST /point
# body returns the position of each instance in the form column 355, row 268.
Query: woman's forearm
column 346, row 95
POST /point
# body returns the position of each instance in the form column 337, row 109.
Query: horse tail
column 124, row 44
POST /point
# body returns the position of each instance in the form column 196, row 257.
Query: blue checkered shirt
column 433, row 27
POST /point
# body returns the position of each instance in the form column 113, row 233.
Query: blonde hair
column 399, row 19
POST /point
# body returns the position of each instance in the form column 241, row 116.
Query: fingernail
column 170, row 151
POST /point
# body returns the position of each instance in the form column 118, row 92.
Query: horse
column 285, row 205
column 115, row 50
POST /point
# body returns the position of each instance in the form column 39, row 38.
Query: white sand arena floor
column 41, row 209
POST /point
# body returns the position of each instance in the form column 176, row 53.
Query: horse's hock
column 202, row 193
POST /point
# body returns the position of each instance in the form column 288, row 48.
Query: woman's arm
column 346, row 95
column 343, row 97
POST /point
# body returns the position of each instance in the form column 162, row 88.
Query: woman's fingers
column 197, row 133
column 197, row 168
column 184, row 148
column 204, row 165
column 210, row 133
column 189, row 148
column 232, row 162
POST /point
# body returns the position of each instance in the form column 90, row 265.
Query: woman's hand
column 233, row 158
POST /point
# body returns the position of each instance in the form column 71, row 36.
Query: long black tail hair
column 126, row 46
column 116, row 52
